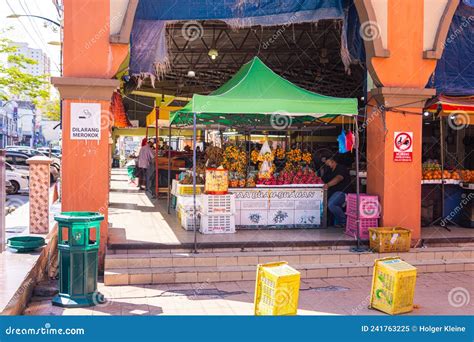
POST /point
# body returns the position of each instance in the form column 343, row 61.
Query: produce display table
column 273, row 207
column 457, row 203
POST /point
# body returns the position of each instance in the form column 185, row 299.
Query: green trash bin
column 78, row 247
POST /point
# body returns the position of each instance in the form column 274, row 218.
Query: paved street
column 16, row 222
column 436, row 294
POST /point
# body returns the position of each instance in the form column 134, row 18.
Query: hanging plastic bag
column 341, row 139
column 349, row 141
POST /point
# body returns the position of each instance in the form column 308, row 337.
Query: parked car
column 18, row 180
column 32, row 153
column 54, row 150
column 18, row 160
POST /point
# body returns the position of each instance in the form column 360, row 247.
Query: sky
column 32, row 30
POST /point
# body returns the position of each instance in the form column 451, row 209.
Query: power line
column 33, row 24
column 27, row 31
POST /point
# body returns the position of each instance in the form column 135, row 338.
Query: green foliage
column 14, row 81
column 50, row 109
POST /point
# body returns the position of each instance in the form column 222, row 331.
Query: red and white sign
column 403, row 147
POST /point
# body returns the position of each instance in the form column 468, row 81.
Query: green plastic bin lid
column 25, row 243
column 79, row 216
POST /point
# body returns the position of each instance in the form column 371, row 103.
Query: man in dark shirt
column 337, row 182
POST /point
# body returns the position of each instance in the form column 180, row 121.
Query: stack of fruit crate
column 217, row 214
column 369, row 213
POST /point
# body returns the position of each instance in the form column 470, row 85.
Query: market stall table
column 280, row 206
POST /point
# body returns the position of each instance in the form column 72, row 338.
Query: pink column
column 39, row 194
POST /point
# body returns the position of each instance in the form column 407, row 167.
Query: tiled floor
column 342, row 296
column 15, row 267
column 137, row 219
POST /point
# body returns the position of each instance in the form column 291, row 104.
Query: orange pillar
column 90, row 62
column 400, row 59
column 398, row 184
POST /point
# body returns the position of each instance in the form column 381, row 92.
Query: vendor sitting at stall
column 337, row 182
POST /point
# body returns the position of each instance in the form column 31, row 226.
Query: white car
column 19, row 180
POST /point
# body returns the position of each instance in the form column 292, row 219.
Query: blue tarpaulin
column 149, row 51
column 454, row 73
column 227, row 9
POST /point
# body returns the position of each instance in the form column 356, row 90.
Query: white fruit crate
column 217, row 224
column 187, row 220
column 218, row 204
column 188, row 202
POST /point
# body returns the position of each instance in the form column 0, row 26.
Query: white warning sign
column 403, row 146
column 85, row 121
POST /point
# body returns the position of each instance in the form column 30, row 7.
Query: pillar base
column 66, row 301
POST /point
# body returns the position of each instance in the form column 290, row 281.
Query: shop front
column 166, row 61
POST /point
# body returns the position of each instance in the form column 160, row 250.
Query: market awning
column 254, row 93
column 452, row 105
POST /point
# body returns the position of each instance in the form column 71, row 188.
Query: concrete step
column 140, row 248
column 293, row 257
column 211, row 274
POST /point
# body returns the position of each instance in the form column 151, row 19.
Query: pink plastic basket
column 369, row 206
column 365, row 224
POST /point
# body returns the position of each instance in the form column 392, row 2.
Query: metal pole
column 157, row 172
column 33, row 130
column 169, row 170
column 441, row 144
column 358, row 248
column 444, row 221
column 357, row 186
column 194, row 184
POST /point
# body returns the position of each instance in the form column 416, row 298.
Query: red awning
column 452, row 104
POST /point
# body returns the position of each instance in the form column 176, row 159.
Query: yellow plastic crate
column 187, row 189
column 393, row 286
column 276, row 289
column 390, row 239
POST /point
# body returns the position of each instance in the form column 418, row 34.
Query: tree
column 14, row 81
column 50, row 108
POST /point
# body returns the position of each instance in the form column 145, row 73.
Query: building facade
column 43, row 62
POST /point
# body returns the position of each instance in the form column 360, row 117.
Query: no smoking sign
column 403, row 146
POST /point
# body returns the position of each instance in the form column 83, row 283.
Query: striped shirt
column 145, row 156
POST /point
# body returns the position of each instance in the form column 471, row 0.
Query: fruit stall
column 447, row 195
column 245, row 186
column 448, row 178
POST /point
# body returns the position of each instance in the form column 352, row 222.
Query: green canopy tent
column 253, row 93
column 257, row 97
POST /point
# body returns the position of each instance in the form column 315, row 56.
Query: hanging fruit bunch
column 214, row 156
column 307, row 157
column 235, row 159
column 293, row 159
column 279, row 153
column 254, row 156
